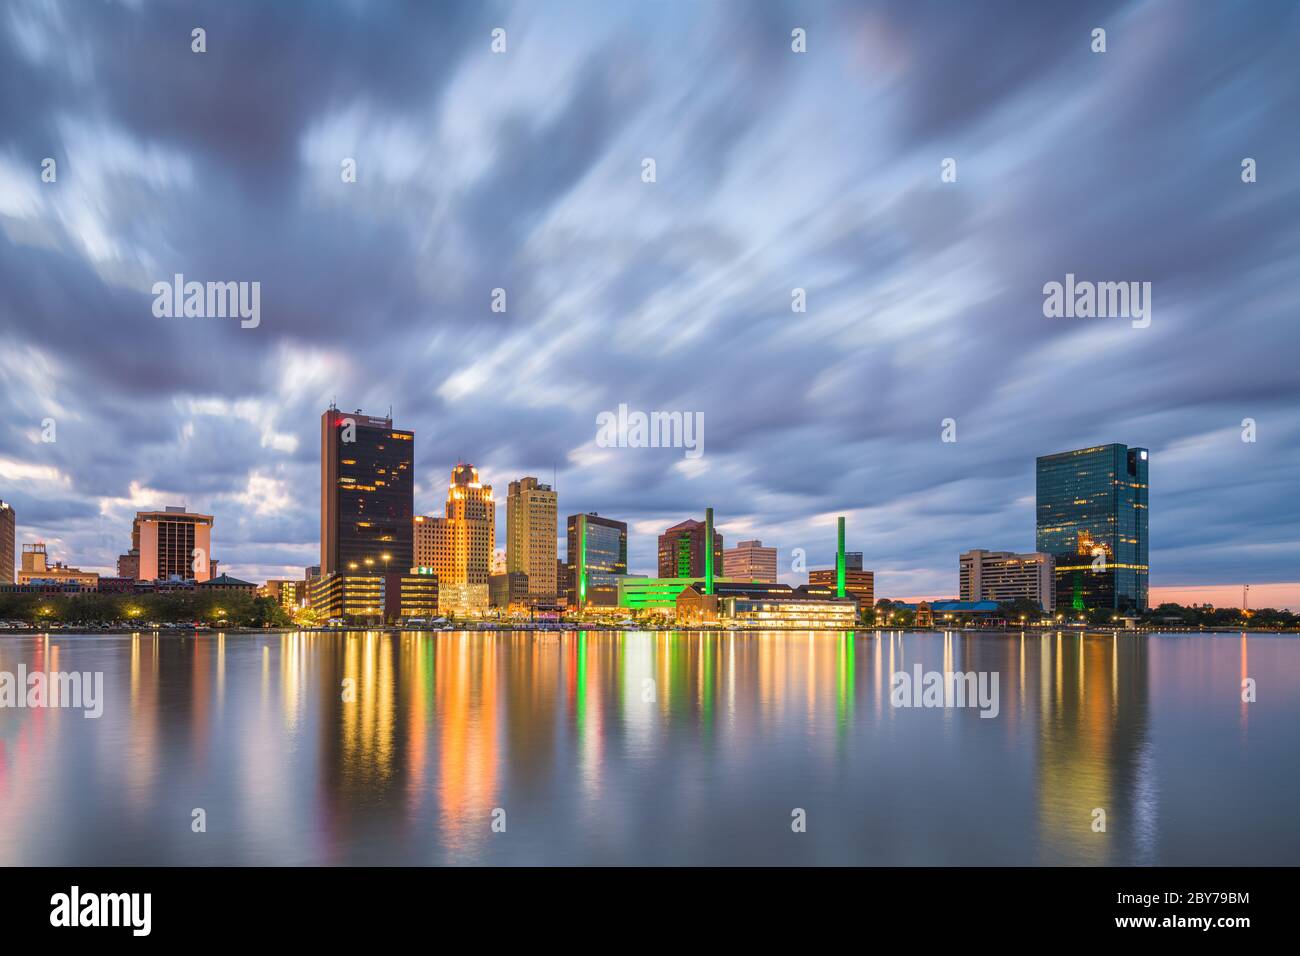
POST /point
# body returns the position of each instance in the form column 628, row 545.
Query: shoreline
column 573, row 628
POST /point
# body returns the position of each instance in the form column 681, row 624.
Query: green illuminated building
column 683, row 553
column 642, row 594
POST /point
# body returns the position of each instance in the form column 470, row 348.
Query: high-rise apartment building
column 172, row 543
column 597, row 560
column 1003, row 576
column 1092, row 518
column 683, row 553
column 750, row 561
column 8, row 542
column 367, row 494
column 530, row 535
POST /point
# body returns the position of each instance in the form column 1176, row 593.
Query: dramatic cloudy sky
column 775, row 170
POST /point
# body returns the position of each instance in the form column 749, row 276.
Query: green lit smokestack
column 708, row 550
column 839, row 562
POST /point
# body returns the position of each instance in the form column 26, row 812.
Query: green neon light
column 708, row 550
column 845, row 680
column 582, row 560
column 839, row 562
column 580, row 702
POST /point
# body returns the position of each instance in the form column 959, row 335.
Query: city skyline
column 923, row 298
column 333, row 419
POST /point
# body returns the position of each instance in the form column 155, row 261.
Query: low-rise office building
column 738, row 604
column 36, row 569
column 1004, row 576
column 858, row 584
column 507, row 588
column 463, row 599
column 376, row 598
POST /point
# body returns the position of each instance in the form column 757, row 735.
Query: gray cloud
column 775, row 170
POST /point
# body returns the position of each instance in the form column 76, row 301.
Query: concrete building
column 172, row 543
column 858, row 584
column 8, row 542
column 507, row 589
column 750, row 561
column 36, row 569
column 128, row 565
column 563, row 580
column 531, row 536
column 458, row 547
column 1004, row 576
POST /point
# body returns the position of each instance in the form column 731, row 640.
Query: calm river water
column 653, row 748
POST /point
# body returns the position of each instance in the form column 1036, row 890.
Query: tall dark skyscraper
column 367, row 494
column 1092, row 517
column 597, row 555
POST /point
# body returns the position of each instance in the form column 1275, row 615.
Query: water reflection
column 650, row 747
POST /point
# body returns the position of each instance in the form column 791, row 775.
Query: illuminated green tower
column 708, row 550
column 839, row 561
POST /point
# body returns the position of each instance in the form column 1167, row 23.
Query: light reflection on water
column 652, row 747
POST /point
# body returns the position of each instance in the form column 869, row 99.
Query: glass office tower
column 1092, row 517
column 597, row 560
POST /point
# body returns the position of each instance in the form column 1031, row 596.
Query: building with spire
column 458, row 547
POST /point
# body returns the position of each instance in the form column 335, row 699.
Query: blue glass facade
column 1092, row 518
column 597, row 559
